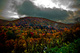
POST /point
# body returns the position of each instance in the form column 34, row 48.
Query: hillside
column 3, row 22
column 38, row 22
column 38, row 35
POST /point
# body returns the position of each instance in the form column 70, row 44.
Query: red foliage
column 31, row 33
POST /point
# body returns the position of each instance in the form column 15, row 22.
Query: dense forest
column 39, row 36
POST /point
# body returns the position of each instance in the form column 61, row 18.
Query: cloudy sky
column 57, row 10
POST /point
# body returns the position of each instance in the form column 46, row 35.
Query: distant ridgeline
column 36, row 22
column 77, row 19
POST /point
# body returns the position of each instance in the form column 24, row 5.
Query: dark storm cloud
column 29, row 9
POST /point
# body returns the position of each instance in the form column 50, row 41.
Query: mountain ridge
column 35, row 21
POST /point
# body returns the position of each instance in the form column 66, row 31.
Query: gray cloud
column 31, row 10
column 28, row 8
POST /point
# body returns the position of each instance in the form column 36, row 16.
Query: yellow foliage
column 24, row 45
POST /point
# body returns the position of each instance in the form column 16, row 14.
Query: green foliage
column 70, row 48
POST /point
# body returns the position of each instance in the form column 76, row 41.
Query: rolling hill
column 35, row 22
